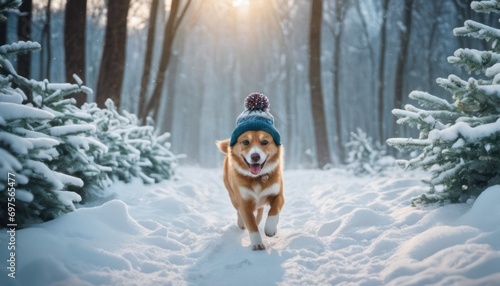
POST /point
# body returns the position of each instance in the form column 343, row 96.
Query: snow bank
column 335, row 229
column 485, row 213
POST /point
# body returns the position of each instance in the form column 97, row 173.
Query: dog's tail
column 223, row 145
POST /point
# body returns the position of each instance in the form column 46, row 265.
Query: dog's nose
column 255, row 157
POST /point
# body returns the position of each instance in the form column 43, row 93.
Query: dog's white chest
column 258, row 194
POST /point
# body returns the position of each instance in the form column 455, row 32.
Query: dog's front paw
column 256, row 241
column 271, row 225
column 258, row 247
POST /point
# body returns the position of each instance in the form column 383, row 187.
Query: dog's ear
column 223, row 145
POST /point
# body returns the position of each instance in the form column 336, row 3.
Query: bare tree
column 3, row 28
column 171, row 28
column 24, row 34
column 74, row 43
column 365, row 30
column 46, row 43
column 340, row 9
column 284, row 9
column 437, row 8
column 404, row 42
column 317, row 101
column 381, row 69
column 146, row 72
column 109, row 84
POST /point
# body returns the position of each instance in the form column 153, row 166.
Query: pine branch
column 480, row 31
column 486, row 6
column 9, row 4
column 473, row 60
column 20, row 47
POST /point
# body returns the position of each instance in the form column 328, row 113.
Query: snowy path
column 335, row 229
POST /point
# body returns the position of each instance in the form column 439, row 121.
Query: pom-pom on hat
column 255, row 117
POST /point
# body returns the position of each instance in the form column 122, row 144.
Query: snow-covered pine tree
column 51, row 148
column 459, row 140
column 70, row 126
column 40, row 193
column 8, row 4
column 365, row 157
column 157, row 161
column 73, row 128
column 134, row 150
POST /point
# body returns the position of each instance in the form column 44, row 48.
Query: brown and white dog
column 253, row 177
column 253, row 168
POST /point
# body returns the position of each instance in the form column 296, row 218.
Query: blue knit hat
column 255, row 117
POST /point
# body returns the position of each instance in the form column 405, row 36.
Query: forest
column 328, row 67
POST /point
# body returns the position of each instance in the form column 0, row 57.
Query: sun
column 240, row 3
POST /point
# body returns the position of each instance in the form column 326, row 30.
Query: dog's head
column 255, row 153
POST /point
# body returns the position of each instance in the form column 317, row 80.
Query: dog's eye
column 245, row 142
column 264, row 142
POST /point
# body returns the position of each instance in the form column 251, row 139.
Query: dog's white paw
column 271, row 225
column 256, row 241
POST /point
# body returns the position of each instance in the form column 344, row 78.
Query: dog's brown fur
column 250, row 192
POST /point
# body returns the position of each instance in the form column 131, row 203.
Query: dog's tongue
column 255, row 168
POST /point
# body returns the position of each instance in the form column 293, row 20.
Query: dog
column 253, row 177
column 253, row 167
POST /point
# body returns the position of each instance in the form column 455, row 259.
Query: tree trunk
column 3, row 30
column 367, row 27
column 109, row 84
column 46, row 44
column 404, row 41
column 146, row 72
column 168, row 40
column 381, row 70
column 340, row 9
column 317, row 103
column 24, row 34
column 169, row 113
column 438, row 10
column 74, row 43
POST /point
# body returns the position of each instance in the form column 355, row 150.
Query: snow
column 15, row 143
column 78, row 80
column 335, row 229
column 427, row 98
column 460, row 132
column 493, row 70
column 86, row 142
column 71, row 129
column 22, row 145
column 21, row 45
column 463, row 130
column 13, row 111
column 24, row 196
column 66, row 198
column 11, row 97
column 58, row 180
column 484, row 6
column 8, row 162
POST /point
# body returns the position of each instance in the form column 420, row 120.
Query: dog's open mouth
column 255, row 168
